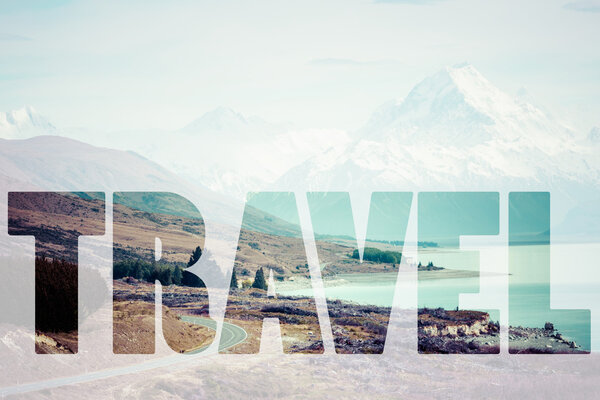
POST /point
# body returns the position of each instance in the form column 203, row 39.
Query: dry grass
column 56, row 342
column 134, row 329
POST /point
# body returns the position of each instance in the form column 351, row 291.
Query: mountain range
column 457, row 131
column 454, row 130
column 54, row 163
column 24, row 122
column 222, row 150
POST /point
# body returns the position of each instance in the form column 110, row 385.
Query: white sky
column 156, row 64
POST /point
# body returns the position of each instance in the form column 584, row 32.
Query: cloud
column 14, row 38
column 334, row 62
column 347, row 62
column 413, row 2
column 583, row 6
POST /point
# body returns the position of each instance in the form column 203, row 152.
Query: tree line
column 166, row 274
column 174, row 274
column 379, row 256
column 56, row 294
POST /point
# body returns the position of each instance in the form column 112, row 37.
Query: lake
column 530, row 297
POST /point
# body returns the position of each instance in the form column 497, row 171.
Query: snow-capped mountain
column 223, row 150
column 225, row 121
column 233, row 154
column 459, row 106
column 453, row 131
column 457, row 131
column 24, row 123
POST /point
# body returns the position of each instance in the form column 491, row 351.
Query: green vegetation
column 429, row 267
column 421, row 244
column 259, row 280
column 150, row 272
column 234, row 282
column 246, row 283
column 380, row 256
column 189, row 279
column 166, row 274
column 158, row 203
column 56, row 294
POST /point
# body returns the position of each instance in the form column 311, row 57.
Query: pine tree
column 259, row 280
column 234, row 282
column 189, row 279
column 164, row 275
column 177, row 275
column 195, row 256
column 138, row 271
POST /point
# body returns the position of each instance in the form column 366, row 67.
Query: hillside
column 135, row 229
column 56, row 163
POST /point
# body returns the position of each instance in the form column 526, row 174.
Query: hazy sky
column 144, row 64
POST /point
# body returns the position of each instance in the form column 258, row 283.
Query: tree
column 138, row 271
column 196, row 254
column 55, row 295
column 164, row 275
column 234, row 282
column 259, row 280
column 378, row 256
column 188, row 278
column 177, row 275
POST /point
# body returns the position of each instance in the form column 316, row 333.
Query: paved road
column 231, row 335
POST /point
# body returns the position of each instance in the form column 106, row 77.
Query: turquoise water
column 378, row 289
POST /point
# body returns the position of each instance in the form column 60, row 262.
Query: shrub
column 380, row 256
column 259, row 280
column 246, row 283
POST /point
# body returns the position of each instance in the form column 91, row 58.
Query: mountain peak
column 224, row 113
column 475, row 88
column 453, row 100
column 23, row 123
column 228, row 122
column 464, row 71
column 457, row 86
column 223, row 120
column 459, row 106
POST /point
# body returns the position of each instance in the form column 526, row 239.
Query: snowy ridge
column 24, row 123
column 456, row 131
column 459, row 106
column 225, row 121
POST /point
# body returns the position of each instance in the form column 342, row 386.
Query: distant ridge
column 24, row 123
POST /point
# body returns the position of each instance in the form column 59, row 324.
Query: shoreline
column 472, row 332
column 299, row 283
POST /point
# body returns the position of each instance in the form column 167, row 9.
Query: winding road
column 231, row 335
